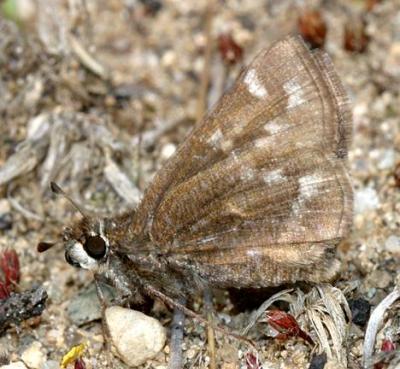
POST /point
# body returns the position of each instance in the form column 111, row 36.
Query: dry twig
column 374, row 323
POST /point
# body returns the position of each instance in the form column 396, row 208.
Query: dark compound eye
column 95, row 246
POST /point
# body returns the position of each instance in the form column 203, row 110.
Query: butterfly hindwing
column 258, row 193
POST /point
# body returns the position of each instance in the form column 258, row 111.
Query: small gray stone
column 135, row 337
column 380, row 278
column 51, row 364
column 386, row 159
column 85, row 307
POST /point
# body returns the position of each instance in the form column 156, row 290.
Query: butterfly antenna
column 56, row 189
column 44, row 246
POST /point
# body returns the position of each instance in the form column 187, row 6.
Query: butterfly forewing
column 258, row 193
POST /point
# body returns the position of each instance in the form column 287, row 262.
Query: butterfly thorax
column 128, row 262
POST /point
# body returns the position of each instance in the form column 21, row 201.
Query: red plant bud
column 230, row 51
column 286, row 325
column 355, row 38
column 4, row 291
column 252, row 361
column 313, row 28
column 79, row 364
column 388, row 345
column 370, row 4
column 9, row 272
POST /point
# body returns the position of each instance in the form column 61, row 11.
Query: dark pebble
column 152, row 6
column 360, row 310
column 6, row 222
column 318, row 361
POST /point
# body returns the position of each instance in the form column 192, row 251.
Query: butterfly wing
column 258, row 194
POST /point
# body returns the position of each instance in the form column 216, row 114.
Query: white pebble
column 135, row 337
column 33, row 356
column 26, row 9
column 392, row 62
column 167, row 151
column 392, row 244
column 365, row 199
column 169, row 58
column 385, row 159
column 5, row 206
column 16, row 365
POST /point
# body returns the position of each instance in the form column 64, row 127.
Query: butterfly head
column 86, row 243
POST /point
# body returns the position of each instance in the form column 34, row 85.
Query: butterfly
column 257, row 195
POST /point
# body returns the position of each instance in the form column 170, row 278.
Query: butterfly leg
column 177, row 328
column 208, row 304
column 156, row 294
column 103, row 307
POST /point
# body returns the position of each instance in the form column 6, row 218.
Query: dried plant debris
column 62, row 145
column 329, row 314
column 16, row 306
column 324, row 311
column 22, row 306
column 375, row 324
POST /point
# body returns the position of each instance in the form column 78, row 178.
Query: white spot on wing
column 215, row 138
column 263, row 142
column 247, row 174
column 208, row 239
column 308, row 188
column 253, row 253
column 274, row 127
column 254, row 85
column 295, row 93
column 226, row 145
column 308, row 185
column 274, row 176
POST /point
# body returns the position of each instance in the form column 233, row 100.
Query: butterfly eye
column 95, row 246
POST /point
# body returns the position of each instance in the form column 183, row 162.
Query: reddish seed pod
column 388, row 345
column 9, row 272
column 312, row 27
column 370, row 4
column 4, row 291
column 230, row 51
column 252, row 361
column 355, row 37
column 286, row 325
column 79, row 364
